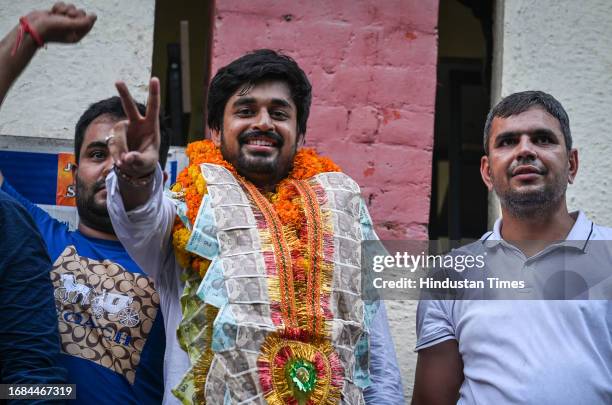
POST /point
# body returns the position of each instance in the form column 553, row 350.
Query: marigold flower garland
column 285, row 200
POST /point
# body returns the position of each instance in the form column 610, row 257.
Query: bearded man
column 250, row 242
column 110, row 327
column 548, row 346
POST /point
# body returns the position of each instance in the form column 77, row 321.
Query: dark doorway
column 459, row 199
column 182, row 47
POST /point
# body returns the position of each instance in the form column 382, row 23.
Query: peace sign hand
column 134, row 143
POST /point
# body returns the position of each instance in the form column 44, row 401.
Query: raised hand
column 63, row 23
column 134, row 143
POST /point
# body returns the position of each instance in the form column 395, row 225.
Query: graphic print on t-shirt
column 105, row 313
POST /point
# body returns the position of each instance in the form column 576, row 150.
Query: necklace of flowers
column 285, row 199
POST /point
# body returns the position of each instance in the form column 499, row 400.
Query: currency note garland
column 298, row 363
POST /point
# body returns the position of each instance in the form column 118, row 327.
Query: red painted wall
column 372, row 64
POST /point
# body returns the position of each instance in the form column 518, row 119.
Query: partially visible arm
column 439, row 375
column 29, row 340
column 146, row 231
column 63, row 23
column 12, row 66
column 439, row 372
column 386, row 379
column 386, row 384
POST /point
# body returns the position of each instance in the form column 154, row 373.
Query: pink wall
column 372, row 65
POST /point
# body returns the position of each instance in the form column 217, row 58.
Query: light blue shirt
column 386, row 386
column 386, row 383
column 528, row 352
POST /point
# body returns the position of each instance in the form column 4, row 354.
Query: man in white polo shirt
column 518, row 351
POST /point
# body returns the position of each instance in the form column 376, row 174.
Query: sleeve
column 386, row 386
column 46, row 224
column 434, row 323
column 29, row 339
column 145, row 231
column 33, row 209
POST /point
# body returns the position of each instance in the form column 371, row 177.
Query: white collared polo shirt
column 528, row 351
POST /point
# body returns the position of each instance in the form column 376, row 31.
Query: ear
column 301, row 140
column 166, row 177
column 215, row 136
column 573, row 165
column 74, row 168
column 485, row 172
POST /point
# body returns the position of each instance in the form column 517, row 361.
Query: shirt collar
column 582, row 229
column 577, row 237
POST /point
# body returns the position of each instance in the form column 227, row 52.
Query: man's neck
column 94, row 233
column 532, row 234
column 265, row 183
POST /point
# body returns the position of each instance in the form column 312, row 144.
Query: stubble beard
column 534, row 203
column 91, row 213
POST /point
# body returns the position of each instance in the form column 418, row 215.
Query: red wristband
column 30, row 30
column 25, row 27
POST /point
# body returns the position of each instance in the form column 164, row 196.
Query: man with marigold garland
column 248, row 246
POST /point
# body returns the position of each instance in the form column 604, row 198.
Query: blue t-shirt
column 110, row 325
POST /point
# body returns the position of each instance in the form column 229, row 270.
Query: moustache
column 534, row 163
column 99, row 185
column 245, row 136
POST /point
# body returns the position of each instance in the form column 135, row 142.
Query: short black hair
column 112, row 107
column 518, row 103
column 253, row 68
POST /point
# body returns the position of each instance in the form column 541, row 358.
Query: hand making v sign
column 134, row 145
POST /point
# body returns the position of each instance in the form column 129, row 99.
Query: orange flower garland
column 285, row 199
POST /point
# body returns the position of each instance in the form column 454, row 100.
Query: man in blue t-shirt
column 110, row 325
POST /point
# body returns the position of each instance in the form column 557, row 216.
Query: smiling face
column 94, row 164
column 528, row 164
column 259, row 135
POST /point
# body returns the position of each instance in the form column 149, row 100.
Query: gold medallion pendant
column 298, row 370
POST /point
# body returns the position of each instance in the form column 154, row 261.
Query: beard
column 91, row 213
column 275, row 167
column 532, row 203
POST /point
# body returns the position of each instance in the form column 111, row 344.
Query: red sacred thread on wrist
column 25, row 27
